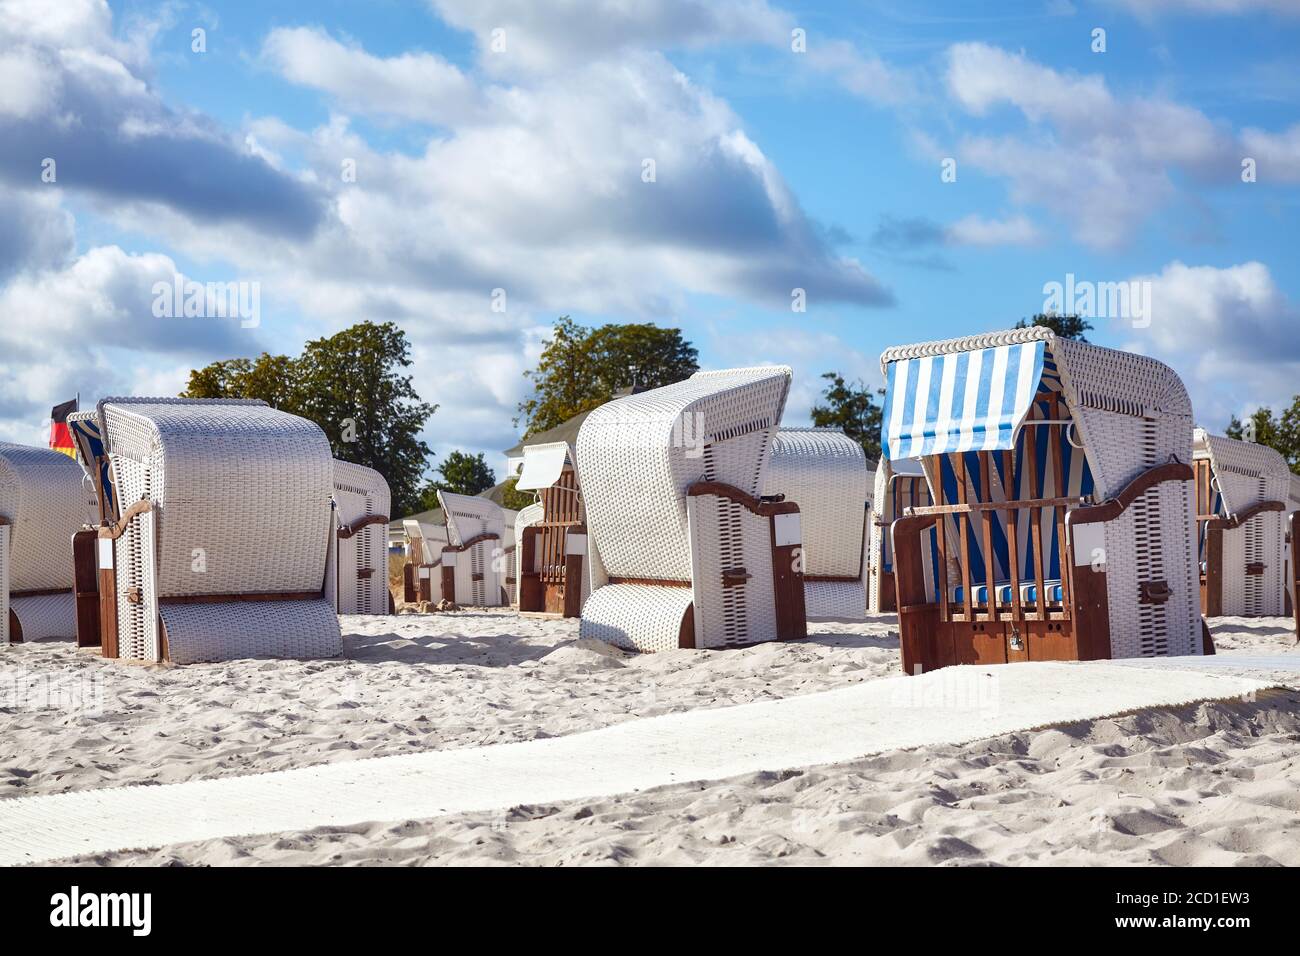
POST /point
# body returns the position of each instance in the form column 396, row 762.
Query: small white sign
column 787, row 530
column 106, row 554
column 576, row 544
column 424, row 574
column 1089, row 542
column 449, row 559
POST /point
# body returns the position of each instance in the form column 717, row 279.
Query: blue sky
column 521, row 169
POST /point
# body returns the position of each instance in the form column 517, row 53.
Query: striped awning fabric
column 970, row 400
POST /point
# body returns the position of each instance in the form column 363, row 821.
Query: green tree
column 581, row 368
column 462, row 474
column 271, row 378
column 513, row 498
column 1282, row 434
column 351, row 385
column 851, row 408
column 1066, row 326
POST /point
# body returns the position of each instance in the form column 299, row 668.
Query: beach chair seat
column 553, row 578
column 684, row 550
column 1053, row 593
column 43, row 503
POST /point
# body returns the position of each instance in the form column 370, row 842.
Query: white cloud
column 1277, row 154
column 415, row 86
column 976, row 230
column 564, row 33
column 1100, row 162
column 1229, row 331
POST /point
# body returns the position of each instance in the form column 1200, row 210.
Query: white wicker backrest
column 1246, row 473
column 637, row 455
column 242, row 491
column 42, row 495
column 360, row 492
column 825, row 473
column 468, row 516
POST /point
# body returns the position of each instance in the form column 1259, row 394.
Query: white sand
column 1210, row 784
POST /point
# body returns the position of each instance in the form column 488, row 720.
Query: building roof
column 565, row 432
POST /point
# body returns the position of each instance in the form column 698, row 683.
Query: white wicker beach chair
column 361, row 511
column 1241, row 507
column 553, row 535
column 474, row 562
column 422, row 571
column 225, row 541
column 825, row 473
column 43, row 503
column 682, row 550
column 1062, row 502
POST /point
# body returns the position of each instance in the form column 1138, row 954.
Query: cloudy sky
column 919, row 170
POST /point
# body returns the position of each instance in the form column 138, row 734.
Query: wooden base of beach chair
column 557, row 589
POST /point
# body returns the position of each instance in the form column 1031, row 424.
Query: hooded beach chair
column 361, row 512
column 825, row 472
column 475, row 564
column 899, row 485
column 1060, row 474
column 43, row 503
column 422, row 575
column 225, row 537
column 683, row 552
column 1241, row 492
column 552, row 537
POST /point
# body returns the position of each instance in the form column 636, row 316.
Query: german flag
column 60, row 437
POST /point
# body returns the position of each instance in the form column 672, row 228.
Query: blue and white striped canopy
column 960, row 401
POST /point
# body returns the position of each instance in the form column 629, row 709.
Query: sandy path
column 413, row 682
column 1213, row 784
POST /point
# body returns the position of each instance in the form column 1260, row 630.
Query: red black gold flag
column 60, row 437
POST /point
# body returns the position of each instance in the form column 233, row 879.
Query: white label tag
column 106, row 554
column 424, row 574
column 449, row 559
column 1090, row 545
column 576, row 544
column 787, row 530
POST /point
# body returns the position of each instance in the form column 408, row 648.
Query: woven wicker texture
column 218, row 632
column 635, row 617
column 637, row 456
column 245, row 486
column 1245, row 474
column 42, row 496
column 242, row 505
column 46, row 615
column 481, row 570
column 360, row 492
column 825, row 473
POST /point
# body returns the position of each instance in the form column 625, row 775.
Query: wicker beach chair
column 899, row 485
column 361, row 512
column 475, row 564
column 422, row 575
column 1241, row 506
column 825, row 472
column 551, row 535
column 43, row 503
column 682, row 550
column 225, row 536
column 1060, row 474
